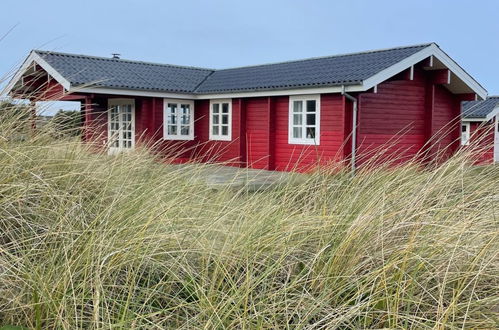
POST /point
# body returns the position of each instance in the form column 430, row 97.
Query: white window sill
column 304, row 142
column 222, row 138
column 178, row 138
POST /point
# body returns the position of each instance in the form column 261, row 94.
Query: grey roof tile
column 324, row 71
column 118, row 73
column 314, row 72
column 479, row 109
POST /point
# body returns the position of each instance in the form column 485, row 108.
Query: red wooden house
column 282, row 116
column 480, row 128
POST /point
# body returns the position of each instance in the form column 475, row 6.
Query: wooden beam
column 271, row 130
column 87, row 112
column 243, row 158
column 441, row 77
column 428, row 62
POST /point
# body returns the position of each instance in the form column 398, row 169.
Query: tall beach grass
column 93, row 241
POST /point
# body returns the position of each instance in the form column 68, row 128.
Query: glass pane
column 311, row 119
column 216, row 107
column 185, row 120
column 297, row 119
column 225, row 119
column 184, row 130
column 311, row 106
column 214, row 130
column 463, row 128
column 129, row 117
column 225, row 130
column 310, row 132
column 225, row 107
column 297, row 132
column 172, row 130
column 216, row 119
column 297, row 106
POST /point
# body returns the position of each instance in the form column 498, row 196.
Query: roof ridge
column 332, row 56
column 121, row 60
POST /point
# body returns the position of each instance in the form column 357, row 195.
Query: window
column 304, row 119
column 178, row 120
column 465, row 134
column 221, row 120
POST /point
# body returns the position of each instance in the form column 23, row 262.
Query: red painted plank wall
column 391, row 121
column 446, row 122
column 216, row 151
column 482, row 142
column 305, row 157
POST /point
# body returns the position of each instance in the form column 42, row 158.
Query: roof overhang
column 30, row 61
column 459, row 80
column 489, row 116
column 439, row 60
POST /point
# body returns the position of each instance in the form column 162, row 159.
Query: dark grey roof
column 322, row 71
column 118, row 73
column 479, row 109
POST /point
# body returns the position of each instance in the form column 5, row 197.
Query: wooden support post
column 242, row 133
column 441, row 77
column 32, row 105
column 429, row 120
column 87, row 114
column 271, row 132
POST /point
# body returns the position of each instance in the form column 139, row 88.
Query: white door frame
column 120, row 148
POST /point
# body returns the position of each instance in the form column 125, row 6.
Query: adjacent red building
column 480, row 129
column 380, row 106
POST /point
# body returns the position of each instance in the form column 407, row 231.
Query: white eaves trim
column 489, row 116
column 432, row 50
column 131, row 92
column 492, row 114
column 284, row 92
column 33, row 57
column 51, row 71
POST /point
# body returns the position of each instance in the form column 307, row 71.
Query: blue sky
column 223, row 33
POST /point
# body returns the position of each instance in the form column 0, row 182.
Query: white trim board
column 33, row 57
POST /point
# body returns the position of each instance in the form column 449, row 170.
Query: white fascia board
column 459, row 72
column 468, row 120
column 33, row 57
column 492, row 114
column 432, row 50
column 131, row 92
column 284, row 92
column 26, row 64
column 52, row 72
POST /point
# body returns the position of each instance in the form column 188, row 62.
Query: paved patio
column 222, row 177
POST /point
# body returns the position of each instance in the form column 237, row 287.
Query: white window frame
column 219, row 136
column 178, row 136
column 465, row 141
column 304, row 139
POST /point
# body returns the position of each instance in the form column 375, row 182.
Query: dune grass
column 92, row 241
